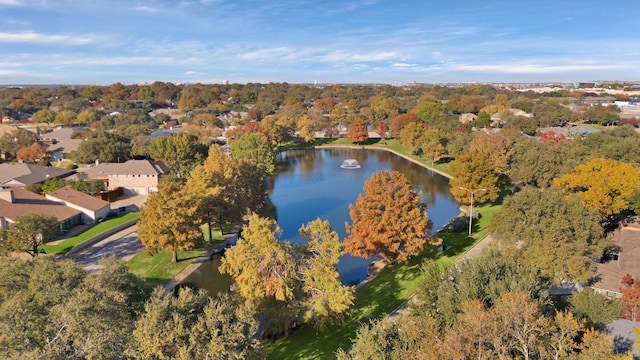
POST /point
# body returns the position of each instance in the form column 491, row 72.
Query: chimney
column 97, row 162
column 6, row 195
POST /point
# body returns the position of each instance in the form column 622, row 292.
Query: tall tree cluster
column 53, row 310
column 288, row 282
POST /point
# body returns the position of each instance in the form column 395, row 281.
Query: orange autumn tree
column 389, row 219
column 358, row 131
column 630, row 291
column 34, row 152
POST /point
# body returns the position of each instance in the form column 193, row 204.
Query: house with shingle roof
column 17, row 202
column 623, row 258
column 12, row 175
column 93, row 209
column 134, row 176
column 60, row 142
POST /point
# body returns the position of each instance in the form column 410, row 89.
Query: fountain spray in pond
column 350, row 164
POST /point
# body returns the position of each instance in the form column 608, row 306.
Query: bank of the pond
column 215, row 248
column 380, row 147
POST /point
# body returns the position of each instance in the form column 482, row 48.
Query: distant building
column 598, row 100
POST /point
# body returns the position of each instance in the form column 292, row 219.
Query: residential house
column 624, row 258
column 60, row 142
column 12, row 175
column 17, row 202
column 93, row 209
column 599, row 100
column 134, row 176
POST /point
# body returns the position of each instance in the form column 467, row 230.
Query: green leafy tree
column 473, row 171
column 523, row 124
column 167, row 221
column 192, row 325
column 620, row 143
column 97, row 319
column 31, row 231
column 44, row 116
column 388, row 219
column 29, row 292
column 255, row 147
column 483, row 120
column 181, row 152
column 537, row 163
column 597, row 310
column 104, row 146
column 551, row 232
column 442, row 292
column 358, row 133
column 87, row 116
column 66, row 117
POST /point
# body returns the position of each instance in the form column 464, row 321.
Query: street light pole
column 472, row 192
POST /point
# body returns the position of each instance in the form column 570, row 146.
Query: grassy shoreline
column 379, row 297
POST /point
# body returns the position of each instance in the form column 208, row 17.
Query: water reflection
column 310, row 184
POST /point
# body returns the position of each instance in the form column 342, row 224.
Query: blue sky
column 208, row 41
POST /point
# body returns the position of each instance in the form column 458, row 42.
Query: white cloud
column 144, row 8
column 10, row 3
column 519, row 69
column 268, row 54
column 403, row 65
column 37, row 38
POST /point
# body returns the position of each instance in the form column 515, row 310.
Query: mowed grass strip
column 382, row 295
column 158, row 269
column 67, row 244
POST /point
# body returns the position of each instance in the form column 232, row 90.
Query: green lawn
column 382, row 295
column 158, row 269
column 67, row 244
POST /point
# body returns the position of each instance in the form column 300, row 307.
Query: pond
column 310, row 184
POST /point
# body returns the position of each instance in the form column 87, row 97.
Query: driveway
column 123, row 245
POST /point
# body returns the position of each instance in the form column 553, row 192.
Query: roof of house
column 609, row 274
column 131, row 167
column 72, row 196
column 27, row 174
column 64, row 137
column 25, row 202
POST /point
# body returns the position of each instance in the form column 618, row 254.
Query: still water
column 310, row 184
